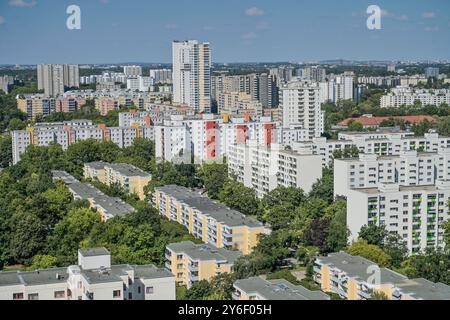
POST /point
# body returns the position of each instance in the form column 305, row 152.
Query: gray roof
column 219, row 212
column 204, row 252
column 279, row 289
column 97, row 165
column 111, row 205
column 424, row 289
column 34, row 278
column 358, row 267
column 128, row 170
column 150, row 272
column 92, row 252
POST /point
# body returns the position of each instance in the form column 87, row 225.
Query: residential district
column 199, row 181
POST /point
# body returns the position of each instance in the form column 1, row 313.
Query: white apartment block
column 409, row 168
column 415, row 213
column 300, row 105
column 207, row 139
column 160, row 76
column 192, row 74
column 139, row 83
column 336, row 89
column 264, row 168
column 132, row 71
column 401, row 95
column 53, row 78
column 69, row 132
column 94, row 278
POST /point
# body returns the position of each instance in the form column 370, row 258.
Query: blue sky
column 34, row 31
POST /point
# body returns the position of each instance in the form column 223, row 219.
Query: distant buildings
column 313, row 73
column 108, row 207
column 192, row 74
column 69, row 132
column 55, row 78
column 406, row 96
column 39, row 105
column 132, row 71
column 208, row 220
column 432, row 73
column 336, row 88
column 160, row 76
column 94, row 278
column 5, row 83
column 256, row 288
column 128, row 177
column 356, row 278
column 369, row 121
column 190, row 262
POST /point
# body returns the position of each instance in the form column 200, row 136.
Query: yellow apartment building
column 130, row 178
column 356, row 278
column 190, row 262
column 208, row 220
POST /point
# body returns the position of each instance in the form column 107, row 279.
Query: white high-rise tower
column 192, row 74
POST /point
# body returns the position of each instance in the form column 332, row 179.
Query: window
column 60, row 294
column 18, row 296
column 149, row 290
column 139, row 289
column 33, row 296
column 116, row 293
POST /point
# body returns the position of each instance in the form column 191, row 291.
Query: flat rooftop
column 279, row 289
column 204, row 252
column 34, row 278
column 357, row 267
column 129, row 170
column 219, row 212
column 424, row 289
column 93, row 252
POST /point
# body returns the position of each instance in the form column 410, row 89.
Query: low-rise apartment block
column 266, row 168
column 127, row 176
column 415, row 213
column 409, row 168
column 406, row 96
column 356, row 278
column 190, row 262
column 108, row 207
column 256, row 288
column 207, row 220
column 70, row 132
column 94, row 278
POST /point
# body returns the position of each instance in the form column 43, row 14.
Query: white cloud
column 249, row 36
column 262, row 25
column 2, row 20
column 171, row 26
column 431, row 29
column 429, row 15
column 22, row 3
column 254, row 12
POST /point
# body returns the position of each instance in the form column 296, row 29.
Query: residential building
column 431, row 72
column 190, row 262
column 313, row 73
column 265, row 168
column 37, row 105
column 300, row 104
column 256, row 288
column 161, row 76
column 132, row 71
column 128, row 177
column 108, row 207
column 407, row 96
column 192, row 74
column 414, row 213
column 336, row 89
column 356, row 278
column 408, row 168
column 5, row 83
column 94, row 278
column 208, row 220
column 54, row 78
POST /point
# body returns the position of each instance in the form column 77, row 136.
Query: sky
column 114, row 31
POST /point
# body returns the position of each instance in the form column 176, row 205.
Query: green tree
column 44, row 262
column 238, row 197
column 370, row 252
column 213, row 177
column 199, row 290
column 373, row 234
column 323, row 188
column 5, row 151
column 338, row 232
column 432, row 265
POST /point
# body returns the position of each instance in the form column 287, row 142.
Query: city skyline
column 245, row 31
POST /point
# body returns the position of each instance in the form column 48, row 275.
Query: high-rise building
column 132, row 71
column 300, row 105
column 54, row 78
column 432, row 72
column 314, row 73
column 192, row 74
